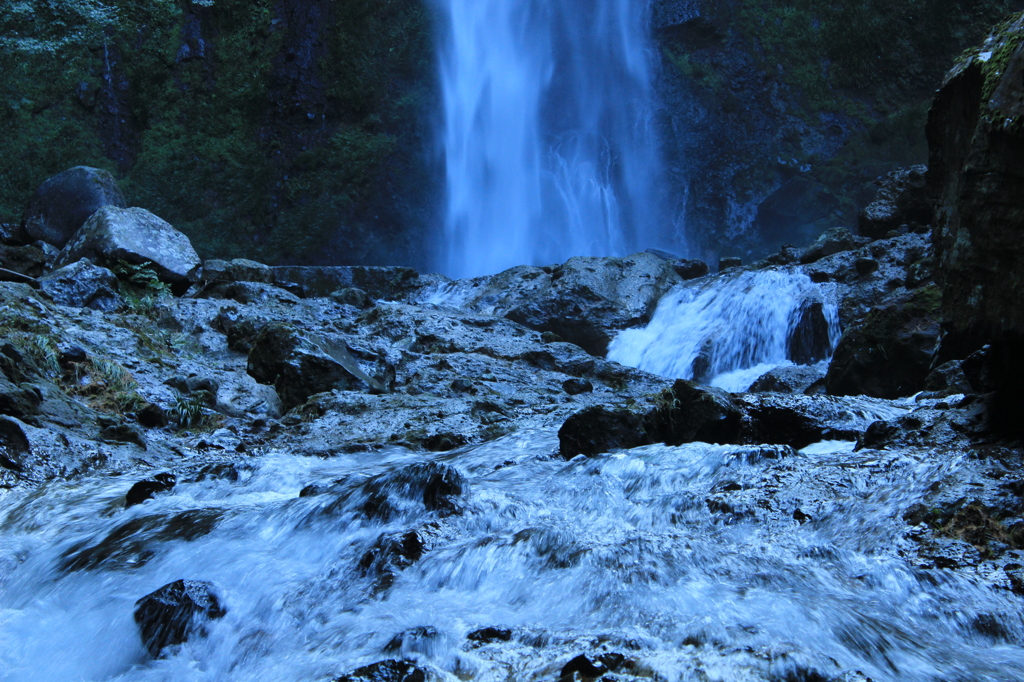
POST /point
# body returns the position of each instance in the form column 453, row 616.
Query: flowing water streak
column 622, row 549
column 547, row 136
column 727, row 330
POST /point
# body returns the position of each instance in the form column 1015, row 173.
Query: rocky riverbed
column 377, row 474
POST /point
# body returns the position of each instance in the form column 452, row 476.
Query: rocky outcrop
column 82, row 285
column 136, row 237
column 62, row 204
column 385, row 671
column 976, row 140
column 889, row 353
column 176, row 613
column 295, row 366
column 902, row 202
column 585, row 301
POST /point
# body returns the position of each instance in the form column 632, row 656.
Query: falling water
column 548, row 138
column 728, row 331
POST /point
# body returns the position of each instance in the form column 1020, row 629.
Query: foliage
column 105, row 385
column 258, row 128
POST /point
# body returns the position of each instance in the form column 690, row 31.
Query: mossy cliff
column 285, row 130
column 812, row 98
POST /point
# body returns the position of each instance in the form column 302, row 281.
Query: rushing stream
column 548, row 139
column 687, row 560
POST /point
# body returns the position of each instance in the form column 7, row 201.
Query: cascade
column 728, row 331
column 548, row 139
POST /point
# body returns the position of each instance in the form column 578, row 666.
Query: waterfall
column 547, row 135
column 729, row 330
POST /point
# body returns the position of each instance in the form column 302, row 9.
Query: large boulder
column 902, row 199
column 585, row 301
column 137, row 237
column 888, row 354
column 62, row 204
column 82, row 285
column 297, row 367
column 599, row 429
column 976, row 174
column 176, row 613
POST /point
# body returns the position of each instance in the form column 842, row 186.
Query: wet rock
column 948, row 379
column 378, row 282
column 137, row 237
column 20, row 401
column 588, row 668
column 436, row 486
column 25, row 260
column 351, row 296
column 889, row 353
column 144, row 490
column 82, row 285
column 14, row 446
column 176, row 613
column 296, row 367
column 152, row 416
column 385, row 671
column 226, row 471
column 585, row 301
column 389, row 555
column 598, row 429
column 688, row 269
column 688, row 412
column 920, row 273
column 902, row 199
column 132, row 544
column 490, row 635
column 865, row 266
column 412, row 641
column 63, row 203
column 788, row 379
column 831, row 242
column 577, row 386
column 809, row 340
column 124, row 433
column 729, row 263
column 244, row 270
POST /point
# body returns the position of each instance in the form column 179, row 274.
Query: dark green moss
column 260, row 128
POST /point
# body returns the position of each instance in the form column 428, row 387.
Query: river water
column 688, row 560
column 548, row 137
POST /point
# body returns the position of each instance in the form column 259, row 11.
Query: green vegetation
column 259, row 128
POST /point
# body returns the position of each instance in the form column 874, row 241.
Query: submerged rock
column 136, row 237
column 145, row 490
column 176, row 613
column 385, row 671
column 62, row 204
column 599, row 429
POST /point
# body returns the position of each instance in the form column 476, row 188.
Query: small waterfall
column 548, row 140
column 729, row 330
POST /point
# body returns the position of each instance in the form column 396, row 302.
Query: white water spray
column 548, row 139
column 728, row 331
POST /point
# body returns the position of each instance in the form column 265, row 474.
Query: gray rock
column 728, row 263
column 135, row 236
column 585, row 301
column 26, row 260
column 902, row 199
column 62, row 204
column 690, row 269
column 176, row 613
column 296, row 366
column 831, row 242
column 788, row 379
column 82, row 285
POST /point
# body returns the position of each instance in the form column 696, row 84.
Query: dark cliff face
column 289, row 130
column 778, row 115
column 976, row 174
